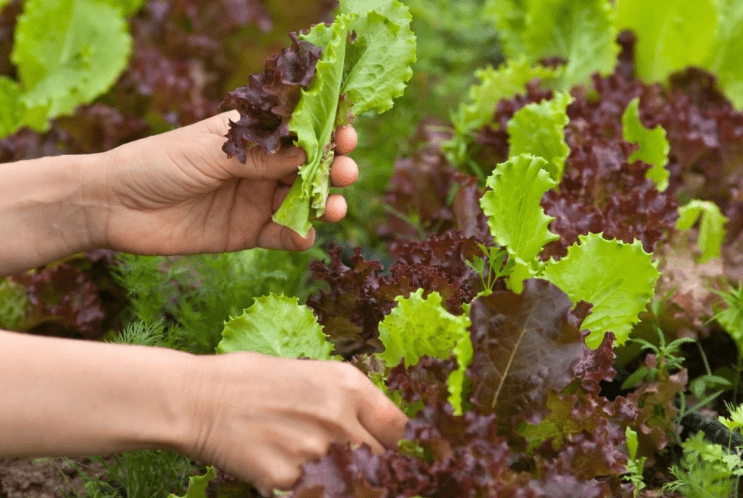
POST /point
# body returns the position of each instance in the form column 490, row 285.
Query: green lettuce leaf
column 494, row 85
column 539, row 129
column 726, row 59
column 11, row 110
column 362, row 6
column 654, row 147
column 671, row 35
column 276, row 326
column 128, row 7
column 711, row 227
column 419, row 327
column 197, row 485
column 618, row 279
column 515, row 216
column 581, row 31
column 366, row 61
column 68, row 52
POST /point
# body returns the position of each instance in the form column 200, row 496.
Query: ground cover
column 558, row 307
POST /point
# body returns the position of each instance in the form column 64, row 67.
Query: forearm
column 63, row 397
column 45, row 212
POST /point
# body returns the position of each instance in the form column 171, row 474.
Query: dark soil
column 42, row 478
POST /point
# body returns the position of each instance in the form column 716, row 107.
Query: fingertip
column 346, row 139
column 344, row 171
column 299, row 243
column 335, row 208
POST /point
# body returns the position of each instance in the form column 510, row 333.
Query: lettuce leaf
column 422, row 327
column 276, row 326
column 494, row 85
column 365, row 64
column 711, row 227
column 515, row 217
column 671, row 35
column 727, row 54
column 197, row 484
column 539, row 129
column 654, row 147
column 68, row 52
column 618, row 279
column 582, row 32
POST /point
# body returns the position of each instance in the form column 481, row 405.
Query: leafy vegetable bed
column 562, row 314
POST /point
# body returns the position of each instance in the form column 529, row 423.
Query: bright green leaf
column 711, row 227
column 581, row 31
column 539, row 129
column 618, row 279
column 515, row 216
column 197, row 485
column 10, row 106
column 654, row 147
column 494, row 85
column 419, row 327
column 68, row 52
column 362, row 6
column 128, row 7
column 726, row 57
column 276, row 326
column 671, row 34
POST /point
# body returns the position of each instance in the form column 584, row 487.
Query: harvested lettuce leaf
column 365, row 63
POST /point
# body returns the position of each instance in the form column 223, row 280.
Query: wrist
column 47, row 210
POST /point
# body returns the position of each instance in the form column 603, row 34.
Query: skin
column 258, row 417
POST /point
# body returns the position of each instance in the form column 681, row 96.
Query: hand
column 262, row 418
column 178, row 193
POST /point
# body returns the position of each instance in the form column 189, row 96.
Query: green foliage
column 539, row 129
column 422, row 327
column 726, row 56
column 654, row 147
column 196, row 294
column 711, row 227
column 496, row 264
column 136, row 474
column 667, row 359
column 276, row 326
column 665, row 31
column 580, row 31
column 706, row 470
column 197, row 484
column 145, row 334
column 13, row 305
column 634, row 465
column 493, row 86
column 516, row 219
column 628, row 277
column 368, row 71
column 731, row 317
column 67, row 52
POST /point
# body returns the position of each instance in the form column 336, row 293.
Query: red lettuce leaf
column 525, row 346
column 266, row 103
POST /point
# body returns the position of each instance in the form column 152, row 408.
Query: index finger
column 379, row 415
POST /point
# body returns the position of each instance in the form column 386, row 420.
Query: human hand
column 262, row 418
column 178, row 193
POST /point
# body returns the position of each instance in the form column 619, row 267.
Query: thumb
column 262, row 165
